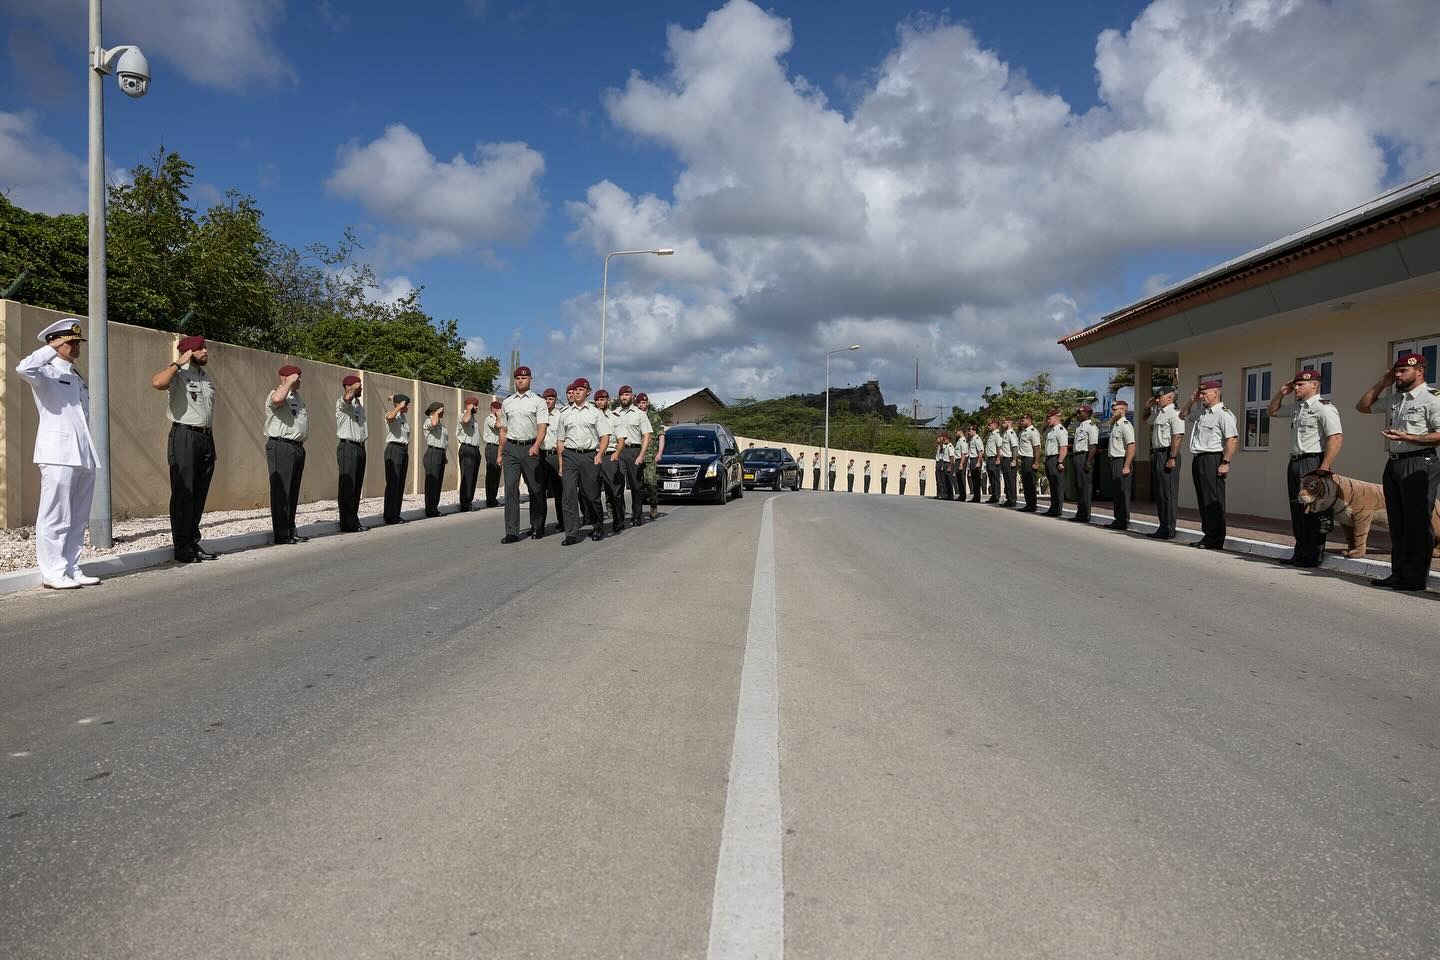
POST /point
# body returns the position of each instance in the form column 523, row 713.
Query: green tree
column 51, row 249
column 149, row 229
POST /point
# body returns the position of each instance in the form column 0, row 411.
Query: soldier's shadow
column 1417, row 595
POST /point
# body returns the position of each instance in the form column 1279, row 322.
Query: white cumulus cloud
column 956, row 212
column 442, row 207
column 227, row 44
column 36, row 172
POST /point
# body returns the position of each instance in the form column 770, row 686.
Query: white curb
column 106, row 567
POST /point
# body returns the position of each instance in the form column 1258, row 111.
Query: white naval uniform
column 66, row 456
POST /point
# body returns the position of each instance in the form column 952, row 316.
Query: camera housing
column 132, row 72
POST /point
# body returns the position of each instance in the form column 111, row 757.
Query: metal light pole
column 134, row 72
column 605, row 292
column 826, row 473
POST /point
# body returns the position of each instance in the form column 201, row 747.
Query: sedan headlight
column 713, row 470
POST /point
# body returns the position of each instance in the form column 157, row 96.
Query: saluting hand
column 185, row 357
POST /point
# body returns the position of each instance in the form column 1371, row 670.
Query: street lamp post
column 134, row 76
column 826, row 464
column 605, row 292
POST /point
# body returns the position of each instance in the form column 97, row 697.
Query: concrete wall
column 138, row 426
column 912, row 486
column 1358, row 338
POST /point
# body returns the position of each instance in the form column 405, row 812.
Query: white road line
column 747, row 916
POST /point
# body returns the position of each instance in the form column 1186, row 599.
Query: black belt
column 572, row 450
column 358, row 443
column 513, row 440
column 398, row 443
column 1411, row 453
column 185, row 426
column 293, row 443
column 1207, row 453
column 1302, row 456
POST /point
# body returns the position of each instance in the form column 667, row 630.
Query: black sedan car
column 769, row 467
column 701, row 461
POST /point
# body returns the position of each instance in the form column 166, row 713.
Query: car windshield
column 689, row 444
column 762, row 456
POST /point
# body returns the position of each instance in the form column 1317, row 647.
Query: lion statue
column 1355, row 505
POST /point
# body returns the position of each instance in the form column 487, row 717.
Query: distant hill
column 860, row 420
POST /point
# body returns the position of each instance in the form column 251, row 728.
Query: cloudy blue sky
column 961, row 184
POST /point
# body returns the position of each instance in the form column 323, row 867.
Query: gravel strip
column 17, row 545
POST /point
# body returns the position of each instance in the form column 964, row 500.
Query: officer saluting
column 351, row 432
column 1315, row 440
column 437, row 447
column 1122, row 464
column 287, row 425
column 64, row 452
column 1213, row 439
column 1085, row 444
column 468, row 452
column 397, row 456
column 1412, row 473
column 190, row 447
column 579, row 439
column 524, row 418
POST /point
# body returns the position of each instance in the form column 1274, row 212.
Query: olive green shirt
column 350, row 420
column 288, row 420
column 192, row 397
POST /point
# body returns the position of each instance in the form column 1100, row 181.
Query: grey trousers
column 1165, row 485
column 515, row 461
column 630, row 477
column 1056, row 480
column 580, row 480
column 1120, row 499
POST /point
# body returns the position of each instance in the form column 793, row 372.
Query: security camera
column 132, row 71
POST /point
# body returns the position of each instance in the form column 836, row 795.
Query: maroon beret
column 1409, row 360
column 349, row 379
column 472, row 401
column 1211, row 385
column 522, row 371
column 495, row 404
column 581, row 383
column 192, row 342
column 289, row 369
column 549, row 392
column 626, row 389
column 602, row 394
column 642, row 395
column 1086, row 408
column 1308, row 376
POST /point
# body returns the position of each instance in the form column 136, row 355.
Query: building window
column 1325, row 364
column 1427, row 347
column 1256, row 434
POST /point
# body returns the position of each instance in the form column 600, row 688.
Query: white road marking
column 747, row 915
column 21, row 753
column 87, row 719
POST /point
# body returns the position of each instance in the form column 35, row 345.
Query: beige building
column 687, row 406
column 140, row 486
column 1344, row 296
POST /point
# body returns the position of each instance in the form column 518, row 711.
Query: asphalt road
column 998, row 736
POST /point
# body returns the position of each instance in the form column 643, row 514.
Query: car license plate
column 671, row 485
column 749, row 476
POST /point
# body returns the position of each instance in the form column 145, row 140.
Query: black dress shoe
column 433, row 514
column 569, row 541
column 510, row 538
column 1306, row 564
column 1389, row 581
column 187, row 559
column 1289, row 562
column 202, row 554
column 1408, row 587
column 1201, row 545
column 597, row 536
column 537, row 534
column 1117, row 526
